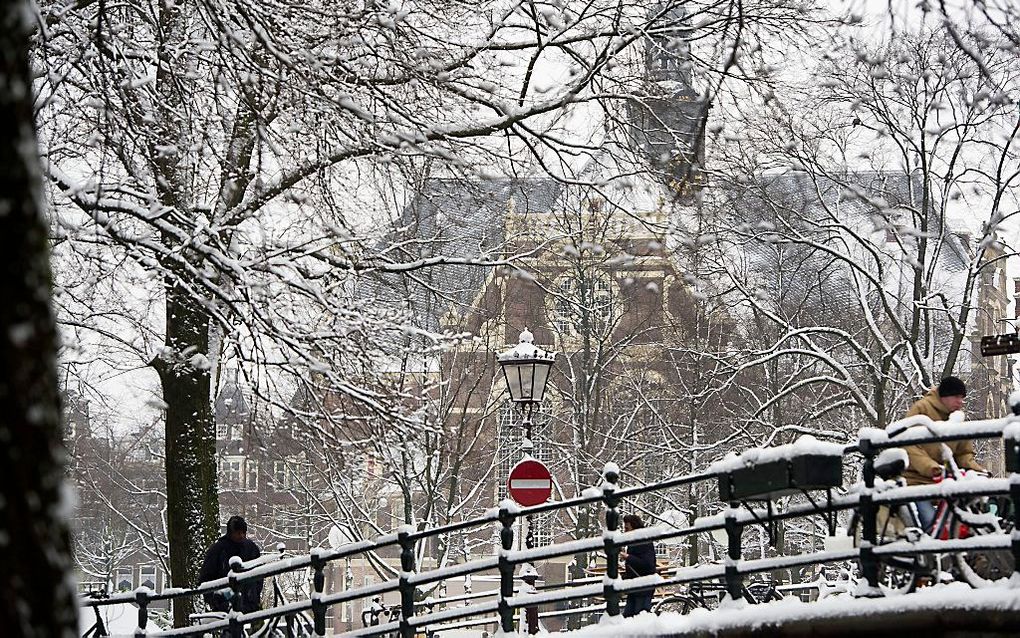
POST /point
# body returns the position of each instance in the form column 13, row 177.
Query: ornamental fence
column 748, row 483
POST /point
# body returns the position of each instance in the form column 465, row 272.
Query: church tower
column 669, row 120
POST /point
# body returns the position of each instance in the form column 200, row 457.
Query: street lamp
column 526, row 370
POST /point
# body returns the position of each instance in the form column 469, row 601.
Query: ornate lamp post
column 526, row 371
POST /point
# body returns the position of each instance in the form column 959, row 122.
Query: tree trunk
column 36, row 593
column 184, row 365
column 192, row 505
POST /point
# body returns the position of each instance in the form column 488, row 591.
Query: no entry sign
column 530, row 483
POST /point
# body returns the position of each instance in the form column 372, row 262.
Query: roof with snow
column 460, row 218
column 231, row 404
column 873, row 205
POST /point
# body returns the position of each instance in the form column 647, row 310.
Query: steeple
column 669, row 120
column 667, row 49
column 231, row 404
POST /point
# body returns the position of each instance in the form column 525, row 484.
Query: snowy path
column 954, row 606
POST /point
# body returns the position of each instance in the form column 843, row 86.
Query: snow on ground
column 119, row 618
column 950, row 597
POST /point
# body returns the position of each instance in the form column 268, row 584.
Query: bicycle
column 708, row 596
column 292, row 625
column 98, row 628
column 693, row 596
column 955, row 518
column 898, row 574
column 762, row 591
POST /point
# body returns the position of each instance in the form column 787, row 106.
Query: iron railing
column 414, row 616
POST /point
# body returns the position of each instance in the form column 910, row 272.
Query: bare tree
column 862, row 268
column 201, row 142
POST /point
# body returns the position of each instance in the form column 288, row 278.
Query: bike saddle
column 890, row 463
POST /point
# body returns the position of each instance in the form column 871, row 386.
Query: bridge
column 885, row 564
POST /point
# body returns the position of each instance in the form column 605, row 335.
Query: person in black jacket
column 638, row 560
column 217, row 565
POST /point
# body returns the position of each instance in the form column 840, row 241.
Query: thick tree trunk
column 192, row 506
column 183, row 367
column 36, row 594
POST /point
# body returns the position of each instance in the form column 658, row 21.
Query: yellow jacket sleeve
column 964, row 455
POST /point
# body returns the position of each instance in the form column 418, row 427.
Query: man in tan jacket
column 926, row 461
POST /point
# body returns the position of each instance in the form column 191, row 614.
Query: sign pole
column 530, row 484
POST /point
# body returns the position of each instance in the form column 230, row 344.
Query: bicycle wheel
column 675, row 605
column 757, row 593
column 984, row 567
column 901, row 574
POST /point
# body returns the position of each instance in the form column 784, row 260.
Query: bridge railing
column 865, row 500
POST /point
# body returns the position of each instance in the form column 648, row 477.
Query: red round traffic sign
column 529, row 483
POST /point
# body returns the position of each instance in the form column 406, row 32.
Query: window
column 280, row 475
column 251, row 478
column 238, row 473
column 125, row 580
column 292, row 523
column 541, row 534
column 583, row 305
column 284, row 476
column 231, row 475
column 147, row 577
column 221, row 431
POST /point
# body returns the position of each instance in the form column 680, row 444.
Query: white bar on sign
column 530, row 484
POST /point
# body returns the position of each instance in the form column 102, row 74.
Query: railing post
column 142, row 600
column 235, row 598
column 506, row 569
column 1014, row 494
column 869, row 522
column 318, row 586
column 406, row 588
column 734, row 552
column 611, row 474
column 1011, row 447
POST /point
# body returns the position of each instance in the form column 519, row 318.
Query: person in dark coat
column 638, row 560
column 217, row 565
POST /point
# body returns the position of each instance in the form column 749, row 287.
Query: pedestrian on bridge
column 638, row 560
column 926, row 464
column 217, row 565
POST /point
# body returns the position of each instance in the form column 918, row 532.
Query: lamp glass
column 539, row 376
column 526, row 370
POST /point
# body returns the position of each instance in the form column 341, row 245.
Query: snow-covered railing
column 511, row 596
